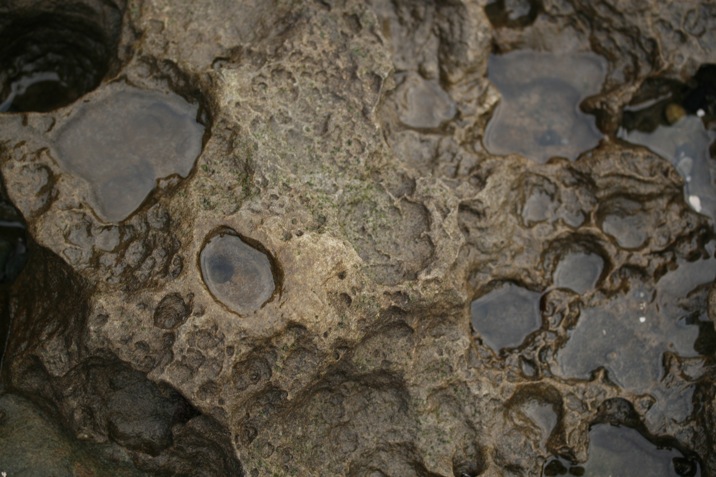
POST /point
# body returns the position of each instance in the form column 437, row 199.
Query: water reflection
column 678, row 122
column 622, row 451
column 237, row 274
column 686, row 144
column 539, row 115
column 629, row 334
column 506, row 315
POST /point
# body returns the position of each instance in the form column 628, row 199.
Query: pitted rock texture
column 345, row 137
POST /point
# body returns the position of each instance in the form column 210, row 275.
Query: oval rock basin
column 123, row 143
column 237, row 274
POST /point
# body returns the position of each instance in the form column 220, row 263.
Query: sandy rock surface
column 342, row 141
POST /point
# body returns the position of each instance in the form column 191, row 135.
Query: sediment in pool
column 237, row 273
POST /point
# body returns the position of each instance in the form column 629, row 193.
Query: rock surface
column 344, row 140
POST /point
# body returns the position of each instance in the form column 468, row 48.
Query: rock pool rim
column 493, row 285
column 276, row 270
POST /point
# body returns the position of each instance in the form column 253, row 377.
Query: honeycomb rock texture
column 343, row 139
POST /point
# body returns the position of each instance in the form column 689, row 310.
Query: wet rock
column 706, row 420
column 539, row 114
column 13, row 247
column 203, row 438
column 139, row 416
column 58, row 318
column 626, row 222
column 35, row 444
column 346, row 154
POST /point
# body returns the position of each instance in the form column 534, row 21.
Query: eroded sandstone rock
column 344, row 139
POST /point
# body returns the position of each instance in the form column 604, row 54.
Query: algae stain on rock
column 123, row 143
column 237, row 274
column 539, row 115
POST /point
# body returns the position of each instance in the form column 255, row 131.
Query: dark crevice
column 100, row 398
column 50, row 58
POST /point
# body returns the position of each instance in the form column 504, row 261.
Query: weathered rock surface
column 345, row 139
